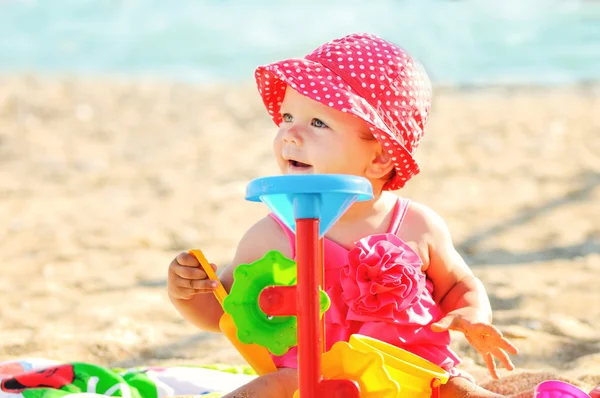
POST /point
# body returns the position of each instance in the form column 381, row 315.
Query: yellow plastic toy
column 381, row 370
column 257, row 356
column 415, row 375
column 367, row 369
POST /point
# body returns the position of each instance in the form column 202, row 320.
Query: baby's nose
column 293, row 135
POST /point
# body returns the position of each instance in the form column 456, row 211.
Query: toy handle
column 257, row 357
column 220, row 292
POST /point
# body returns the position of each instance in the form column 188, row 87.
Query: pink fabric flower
column 383, row 277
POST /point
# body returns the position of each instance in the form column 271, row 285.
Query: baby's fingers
column 506, row 345
column 187, row 260
column 189, row 272
column 491, row 365
column 504, row 358
column 198, row 285
column 499, row 340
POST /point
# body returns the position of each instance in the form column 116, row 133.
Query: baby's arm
column 461, row 296
column 203, row 310
column 264, row 236
column 455, row 286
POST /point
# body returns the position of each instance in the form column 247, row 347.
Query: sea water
column 459, row 42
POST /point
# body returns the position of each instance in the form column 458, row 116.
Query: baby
column 358, row 105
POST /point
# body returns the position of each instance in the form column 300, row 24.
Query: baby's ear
column 382, row 164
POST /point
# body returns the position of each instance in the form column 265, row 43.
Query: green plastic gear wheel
column 279, row 333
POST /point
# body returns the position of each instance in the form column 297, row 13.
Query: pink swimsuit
column 377, row 289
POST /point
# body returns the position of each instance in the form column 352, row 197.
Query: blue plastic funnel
column 297, row 196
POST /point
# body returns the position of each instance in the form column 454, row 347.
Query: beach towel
column 41, row 378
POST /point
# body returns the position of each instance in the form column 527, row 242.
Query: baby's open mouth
column 295, row 163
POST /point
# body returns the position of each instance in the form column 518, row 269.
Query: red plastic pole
column 309, row 327
column 322, row 285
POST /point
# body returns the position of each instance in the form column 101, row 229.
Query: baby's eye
column 319, row 123
column 287, row 118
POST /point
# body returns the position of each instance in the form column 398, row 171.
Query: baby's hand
column 487, row 340
column 187, row 278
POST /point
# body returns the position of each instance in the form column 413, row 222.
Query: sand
column 103, row 181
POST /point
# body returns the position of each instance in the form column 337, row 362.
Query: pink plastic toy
column 558, row 389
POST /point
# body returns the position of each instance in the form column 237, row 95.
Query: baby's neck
column 363, row 210
column 363, row 219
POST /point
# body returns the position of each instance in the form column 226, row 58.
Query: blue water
column 460, row 42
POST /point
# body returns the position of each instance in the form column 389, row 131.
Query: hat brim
column 320, row 84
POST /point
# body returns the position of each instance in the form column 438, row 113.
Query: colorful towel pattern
column 40, row 378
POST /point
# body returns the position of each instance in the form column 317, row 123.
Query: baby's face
column 314, row 138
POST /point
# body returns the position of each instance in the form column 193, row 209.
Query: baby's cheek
column 278, row 142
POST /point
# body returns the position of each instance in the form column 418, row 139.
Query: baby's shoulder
column 425, row 231
column 265, row 235
column 421, row 218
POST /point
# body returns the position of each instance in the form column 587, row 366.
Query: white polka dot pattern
column 365, row 76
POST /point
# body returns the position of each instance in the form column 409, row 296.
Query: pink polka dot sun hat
column 365, row 76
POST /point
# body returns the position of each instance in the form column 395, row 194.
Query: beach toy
column 417, row 376
column 558, row 389
column 257, row 356
column 276, row 333
column 309, row 205
column 367, row 369
column 277, row 303
column 320, row 197
column 382, row 370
